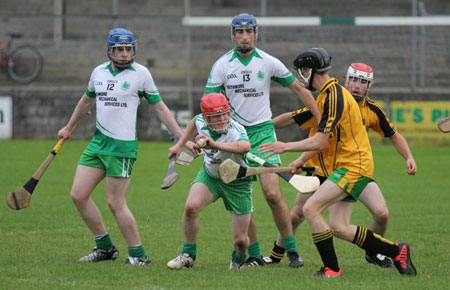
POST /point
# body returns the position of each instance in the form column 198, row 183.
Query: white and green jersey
column 213, row 157
column 118, row 95
column 246, row 84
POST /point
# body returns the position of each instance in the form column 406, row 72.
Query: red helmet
column 216, row 112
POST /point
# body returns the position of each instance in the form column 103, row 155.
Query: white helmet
column 361, row 71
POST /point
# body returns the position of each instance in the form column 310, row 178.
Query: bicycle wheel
column 24, row 64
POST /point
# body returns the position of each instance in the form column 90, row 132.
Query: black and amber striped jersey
column 375, row 118
column 341, row 117
column 305, row 120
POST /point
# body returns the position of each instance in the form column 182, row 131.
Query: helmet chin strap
column 358, row 99
column 119, row 64
column 308, row 79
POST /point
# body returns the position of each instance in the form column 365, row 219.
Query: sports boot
column 235, row 266
column 327, row 273
column 295, row 261
column 379, row 260
column 253, row 262
column 136, row 261
column 403, row 261
column 182, row 261
column 98, row 255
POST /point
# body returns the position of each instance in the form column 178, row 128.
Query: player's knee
column 77, row 197
column 273, row 196
column 191, row 210
column 382, row 216
column 297, row 216
column 115, row 206
column 310, row 211
column 338, row 230
column 241, row 241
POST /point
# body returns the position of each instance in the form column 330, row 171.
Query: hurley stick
column 21, row 197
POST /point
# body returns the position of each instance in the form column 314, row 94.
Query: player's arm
column 318, row 142
column 383, row 126
column 302, row 117
column 300, row 161
column 216, row 79
column 238, row 147
column 84, row 105
column 401, row 145
column 283, row 120
column 189, row 133
column 166, row 117
column 306, row 98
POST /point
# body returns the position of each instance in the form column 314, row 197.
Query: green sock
column 138, row 251
column 104, row 242
column 190, row 249
column 290, row 243
column 254, row 250
column 238, row 260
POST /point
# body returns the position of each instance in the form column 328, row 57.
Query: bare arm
column 402, row 148
column 318, row 142
column 297, row 163
column 84, row 105
column 283, row 120
column 238, row 147
column 190, row 132
column 167, row 119
column 306, row 98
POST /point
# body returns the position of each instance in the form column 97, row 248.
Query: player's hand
column 273, row 148
column 193, row 147
column 209, row 142
column 174, row 150
column 64, row 134
column 297, row 165
column 411, row 166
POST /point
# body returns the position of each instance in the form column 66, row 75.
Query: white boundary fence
column 317, row 21
column 417, row 51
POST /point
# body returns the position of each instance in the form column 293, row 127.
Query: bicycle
column 22, row 63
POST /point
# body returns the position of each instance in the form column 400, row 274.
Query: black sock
column 277, row 252
column 374, row 243
column 324, row 244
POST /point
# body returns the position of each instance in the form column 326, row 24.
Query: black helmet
column 316, row 59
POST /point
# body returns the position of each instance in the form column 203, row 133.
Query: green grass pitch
column 40, row 245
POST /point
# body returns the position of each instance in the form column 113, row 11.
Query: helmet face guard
column 119, row 37
column 218, row 123
column 361, row 73
column 216, row 112
column 244, row 21
column 316, row 59
column 308, row 80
